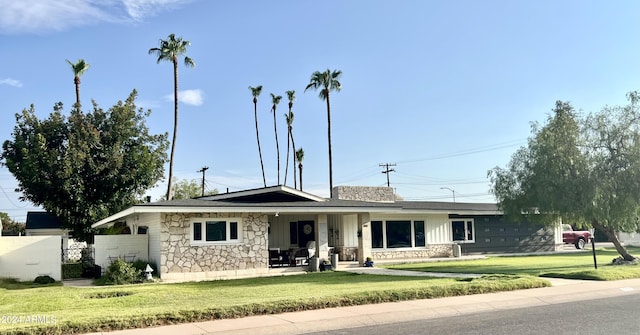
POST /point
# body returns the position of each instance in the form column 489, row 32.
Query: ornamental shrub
column 43, row 280
column 121, row 272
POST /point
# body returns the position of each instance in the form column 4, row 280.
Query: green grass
column 574, row 265
column 78, row 310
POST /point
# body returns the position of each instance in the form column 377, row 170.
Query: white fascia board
column 455, row 212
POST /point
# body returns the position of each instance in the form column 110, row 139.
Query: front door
column 306, row 233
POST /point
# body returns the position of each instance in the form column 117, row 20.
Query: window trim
column 466, row 222
column 203, row 231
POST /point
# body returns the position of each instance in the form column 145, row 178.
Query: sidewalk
column 562, row 291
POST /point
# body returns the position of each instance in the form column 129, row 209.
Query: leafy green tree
column 585, row 172
column 275, row 100
column 255, row 92
column 326, row 81
column 78, row 68
column 87, row 166
column 189, row 189
column 291, row 95
column 169, row 51
column 8, row 225
column 300, row 157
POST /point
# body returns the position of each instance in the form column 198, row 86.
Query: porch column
column 364, row 237
column 322, row 237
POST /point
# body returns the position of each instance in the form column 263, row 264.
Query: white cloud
column 10, row 82
column 56, row 15
column 189, row 97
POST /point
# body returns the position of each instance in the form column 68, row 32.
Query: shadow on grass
column 13, row 284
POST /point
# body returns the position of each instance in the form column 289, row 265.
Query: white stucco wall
column 26, row 257
column 128, row 247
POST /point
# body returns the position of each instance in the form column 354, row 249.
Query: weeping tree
column 583, row 171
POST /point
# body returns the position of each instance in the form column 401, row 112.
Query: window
column 463, row 230
column 376, row 234
column 418, row 233
column 214, row 231
column 398, row 234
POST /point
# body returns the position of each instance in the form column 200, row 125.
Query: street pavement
column 561, row 291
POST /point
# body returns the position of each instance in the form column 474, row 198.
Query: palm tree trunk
column 329, row 138
column 286, row 166
column 614, row 239
column 76, row 81
column 175, row 126
column 275, row 130
column 293, row 145
column 300, row 167
column 255, row 114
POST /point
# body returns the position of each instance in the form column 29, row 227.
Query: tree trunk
column 175, row 126
column 293, row 146
column 255, row 115
column 76, row 81
column 614, row 239
column 300, row 167
column 275, row 130
column 286, row 166
column 329, row 138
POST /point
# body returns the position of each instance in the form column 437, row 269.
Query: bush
column 43, row 280
column 71, row 270
column 121, row 272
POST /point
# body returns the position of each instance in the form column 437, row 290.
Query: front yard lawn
column 574, row 265
column 66, row 310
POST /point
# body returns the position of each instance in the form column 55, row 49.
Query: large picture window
column 463, row 230
column 397, row 234
column 215, row 231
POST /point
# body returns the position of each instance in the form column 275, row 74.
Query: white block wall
column 26, row 257
column 128, row 247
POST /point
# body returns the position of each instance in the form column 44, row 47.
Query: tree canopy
column 86, row 166
column 583, row 170
column 188, row 189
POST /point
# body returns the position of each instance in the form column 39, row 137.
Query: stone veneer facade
column 433, row 250
column 180, row 261
column 364, row 193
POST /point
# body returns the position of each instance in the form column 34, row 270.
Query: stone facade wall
column 182, row 261
column 433, row 250
column 363, row 193
column 347, row 253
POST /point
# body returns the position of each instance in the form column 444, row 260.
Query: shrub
column 121, row 272
column 43, row 280
column 71, row 270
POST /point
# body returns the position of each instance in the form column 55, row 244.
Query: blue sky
column 446, row 90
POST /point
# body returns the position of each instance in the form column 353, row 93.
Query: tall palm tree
column 255, row 91
column 300, row 157
column 276, row 100
column 169, row 50
column 78, row 68
column 289, row 118
column 326, row 81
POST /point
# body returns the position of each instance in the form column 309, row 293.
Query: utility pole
column 204, row 168
column 387, row 170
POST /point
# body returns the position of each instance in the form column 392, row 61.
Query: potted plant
column 369, row 262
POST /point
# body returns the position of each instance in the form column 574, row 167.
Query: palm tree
column 169, row 50
column 276, row 100
column 78, row 68
column 326, row 81
column 300, row 157
column 289, row 118
column 255, row 91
